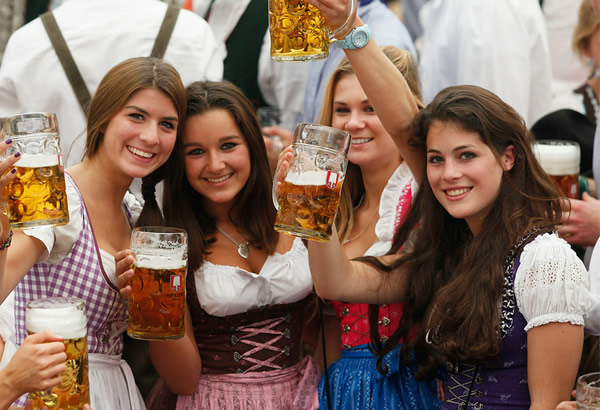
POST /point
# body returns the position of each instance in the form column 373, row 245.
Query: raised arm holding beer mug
column 132, row 127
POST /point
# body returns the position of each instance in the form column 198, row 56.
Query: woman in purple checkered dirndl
column 249, row 290
column 132, row 127
column 485, row 280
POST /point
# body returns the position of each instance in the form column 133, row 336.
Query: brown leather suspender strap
column 164, row 34
column 66, row 60
column 68, row 64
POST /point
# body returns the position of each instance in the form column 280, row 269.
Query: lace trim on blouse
column 551, row 284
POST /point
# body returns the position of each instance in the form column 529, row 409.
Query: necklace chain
column 243, row 249
column 363, row 229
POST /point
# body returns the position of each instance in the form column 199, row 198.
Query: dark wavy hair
column 253, row 210
column 456, row 282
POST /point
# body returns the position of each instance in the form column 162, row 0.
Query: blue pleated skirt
column 355, row 383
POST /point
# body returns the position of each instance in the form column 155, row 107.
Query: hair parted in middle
column 456, row 282
column 253, row 210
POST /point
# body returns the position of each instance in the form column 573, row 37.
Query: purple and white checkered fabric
column 81, row 275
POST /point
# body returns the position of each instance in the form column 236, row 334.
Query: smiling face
column 217, row 160
column 352, row 112
column 140, row 137
column 463, row 172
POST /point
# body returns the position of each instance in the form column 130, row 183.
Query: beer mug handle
column 274, row 189
column 349, row 20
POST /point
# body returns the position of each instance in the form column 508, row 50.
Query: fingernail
column 17, row 155
column 8, row 141
column 12, row 171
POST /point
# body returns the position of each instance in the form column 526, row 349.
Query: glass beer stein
column 560, row 159
column 299, row 32
column 588, row 391
column 65, row 317
column 37, row 195
column 157, row 301
column 308, row 199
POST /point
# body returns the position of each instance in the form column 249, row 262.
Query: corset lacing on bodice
column 245, row 335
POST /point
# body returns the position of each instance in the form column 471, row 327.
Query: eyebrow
column 222, row 139
column 140, row 109
column 365, row 101
column 459, row 148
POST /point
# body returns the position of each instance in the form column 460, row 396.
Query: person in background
column 99, row 35
column 376, row 197
column 471, row 42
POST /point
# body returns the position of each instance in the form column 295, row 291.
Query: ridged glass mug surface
column 308, row 198
column 299, row 32
column 66, row 318
column 157, row 301
column 37, row 194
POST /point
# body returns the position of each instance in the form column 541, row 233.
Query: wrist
column 7, row 391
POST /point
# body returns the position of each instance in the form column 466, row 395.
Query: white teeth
column 456, row 192
column 215, row 180
column 140, row 153
column 361, row 140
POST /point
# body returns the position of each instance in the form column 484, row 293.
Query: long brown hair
column 353, row 188
column 455, row 282
column 253, row 210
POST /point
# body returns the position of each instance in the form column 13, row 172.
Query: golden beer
column 299, row 32
column 568, row 184
column 308, row 204
column 560, row 159
column 64, row 317
column 36, row 196
column 157, row 301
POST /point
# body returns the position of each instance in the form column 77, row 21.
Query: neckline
column 275, row 255
column 95, row 241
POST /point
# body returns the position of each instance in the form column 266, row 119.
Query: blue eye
column 341, row 110
column 136, row 115
column 467, row 155
column 435, row 159
column 167, row 124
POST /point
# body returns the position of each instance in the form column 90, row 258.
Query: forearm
column 178, row 361
column 391, row 97
column 7, row 392
column 337, row 278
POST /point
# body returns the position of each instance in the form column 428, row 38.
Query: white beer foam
column 171, row 261
column 65, row 321
column 37, row 160
column 315, row 178
column 558, row 159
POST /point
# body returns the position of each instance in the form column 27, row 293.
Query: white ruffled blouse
column 551, row 283
column 225, row 290
column 384, row 229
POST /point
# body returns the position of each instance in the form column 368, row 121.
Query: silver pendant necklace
column 243, row 249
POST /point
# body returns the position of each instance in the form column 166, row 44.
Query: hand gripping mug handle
column 349, row 21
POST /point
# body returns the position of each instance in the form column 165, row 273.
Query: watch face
column 360, row 39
